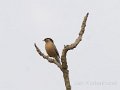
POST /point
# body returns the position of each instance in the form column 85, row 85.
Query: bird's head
column 48, row 40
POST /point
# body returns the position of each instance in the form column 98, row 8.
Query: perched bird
column 51, row 49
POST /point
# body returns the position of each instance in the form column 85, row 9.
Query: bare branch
column 47, row 57
column 70, row 47
column 73, row 45
column 64, row 66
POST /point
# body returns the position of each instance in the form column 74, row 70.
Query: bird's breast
column 50, row 49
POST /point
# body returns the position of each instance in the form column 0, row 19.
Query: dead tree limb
column 51, row 60
column 64, row 66
column 70, row 47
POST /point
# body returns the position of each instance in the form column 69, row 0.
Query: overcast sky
column 93, row 65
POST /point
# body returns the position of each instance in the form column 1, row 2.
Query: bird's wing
column 56, row 51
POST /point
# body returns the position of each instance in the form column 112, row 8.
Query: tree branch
column 64, row 66
column 70, row 47
column 47, row 57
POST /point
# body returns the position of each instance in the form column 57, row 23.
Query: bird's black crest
column 48, row 39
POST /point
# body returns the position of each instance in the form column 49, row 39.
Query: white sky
column 93, row 65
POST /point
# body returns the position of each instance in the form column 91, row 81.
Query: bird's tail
column 57, row 59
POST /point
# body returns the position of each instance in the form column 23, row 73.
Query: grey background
column 93, row 65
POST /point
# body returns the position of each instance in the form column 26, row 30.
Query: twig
column 70, row 47
column 47, row 57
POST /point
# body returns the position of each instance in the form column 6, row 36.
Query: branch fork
column 64, row 67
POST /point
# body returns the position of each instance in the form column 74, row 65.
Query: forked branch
column 70, row 47
column 64, row 66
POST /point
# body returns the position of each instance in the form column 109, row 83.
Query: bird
column 51, row 49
